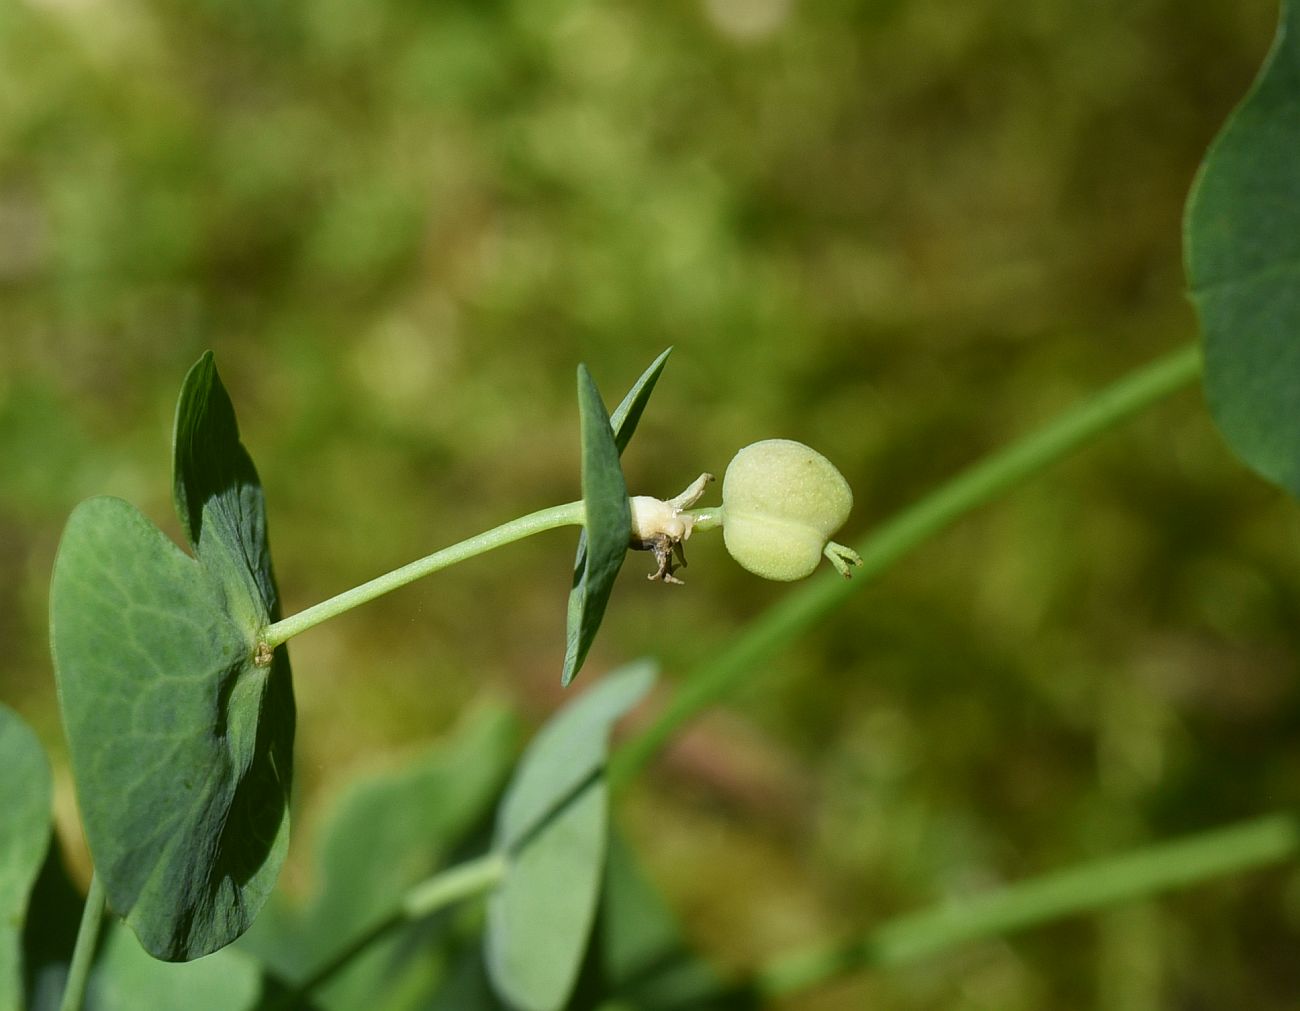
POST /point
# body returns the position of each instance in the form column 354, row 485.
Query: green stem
column 454, row 884
column 706, row 519
column 979, row 484
column 450, row 886
column 569, row 514
column 1081, row 889
column 83, row 954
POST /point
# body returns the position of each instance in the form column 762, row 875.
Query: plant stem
column 707, row 519
column 443, row 889
column 907, row 531
column 83, row 953
column 569, row 514
column 1081, row 889
column 454, row 884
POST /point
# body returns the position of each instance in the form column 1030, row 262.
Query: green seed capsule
column 782, row 502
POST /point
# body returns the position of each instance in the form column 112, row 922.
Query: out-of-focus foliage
column 1242, row 247
column 385, row 833
column 900, row 233
column 552, row 829
column 24, row 837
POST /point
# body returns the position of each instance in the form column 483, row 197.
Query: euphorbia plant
column 173, row 671
column 175, row 686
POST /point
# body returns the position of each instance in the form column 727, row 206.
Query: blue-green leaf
column 25, row 797
column 552, row 828
column 1242, row 245
column 179, row 732
column 623, row 422
column 607, row 532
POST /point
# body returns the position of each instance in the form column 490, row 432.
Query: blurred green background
column 901, row 232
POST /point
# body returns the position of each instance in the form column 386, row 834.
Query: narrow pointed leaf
column 180, row 736
column 552, row 827
column 627, row 415
column 623, row 423
column 608, row 529
column 25, row 818
column 1242, row 244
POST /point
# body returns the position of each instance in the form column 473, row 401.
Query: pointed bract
column 592, row 575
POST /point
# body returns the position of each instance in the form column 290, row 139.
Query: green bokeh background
column 901, row 232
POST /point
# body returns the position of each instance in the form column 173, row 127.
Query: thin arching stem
column 1074, row 891
column 570, row 514
column 1070, row 891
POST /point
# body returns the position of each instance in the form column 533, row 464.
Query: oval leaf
column 552, row 829
column 608, row 529
column 623, row 424
column 180, row 735
column 25, row 796
column 1242, row 240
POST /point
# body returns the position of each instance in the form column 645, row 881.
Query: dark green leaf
column 180, row 736
column 385, row 834
column 627, row 415
column 605, row 538
column 50, row 933
column 219, row 497
column 25, row 797
column 1242, row 242
column 552, row 828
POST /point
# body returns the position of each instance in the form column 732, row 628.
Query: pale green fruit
column 782, row 502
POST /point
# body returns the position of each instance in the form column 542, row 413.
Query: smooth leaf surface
column 637, row 958
column 1242, row 245
column 552, row 826
column 25, row 819
column 385, row 833
column 218, row 496
column 609, row 517
column 180, row 738
column 627, row 415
